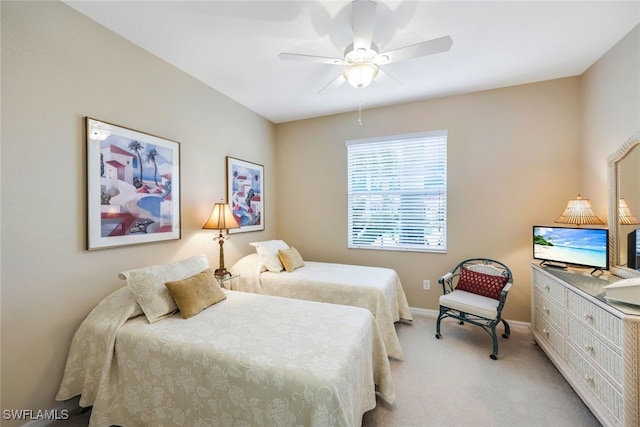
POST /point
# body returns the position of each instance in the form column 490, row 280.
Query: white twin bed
column 379, row 290
column 248, row 359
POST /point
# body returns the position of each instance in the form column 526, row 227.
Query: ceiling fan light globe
column 360, row 74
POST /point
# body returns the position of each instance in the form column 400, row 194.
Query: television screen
column 587, row 247
column 633, row 249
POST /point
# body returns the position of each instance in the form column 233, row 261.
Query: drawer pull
column 589, row 380
column 589, row 348
column 547, row 287
column 545, row 331
column 587, row 316
column 545, row 309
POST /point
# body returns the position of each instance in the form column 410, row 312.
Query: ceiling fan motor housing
column 361, row 58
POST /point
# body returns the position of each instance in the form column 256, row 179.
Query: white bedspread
column 249, row 360
column 377, row 289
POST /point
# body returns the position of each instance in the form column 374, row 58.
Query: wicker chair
column 475, row 291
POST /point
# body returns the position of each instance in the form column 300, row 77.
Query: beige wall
column 57, row 68
column 513, row 161
column 611, row 104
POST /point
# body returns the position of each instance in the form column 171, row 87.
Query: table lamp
column 579, row 212
column 221, row 219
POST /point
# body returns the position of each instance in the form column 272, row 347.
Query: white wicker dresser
column 595, row 344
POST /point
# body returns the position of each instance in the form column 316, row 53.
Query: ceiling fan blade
column 383, row 75
column 338, row 81
column 429, row 47
column 363, row 13
column 310, row 58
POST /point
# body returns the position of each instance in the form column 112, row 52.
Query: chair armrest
column 503, row 296
column 445, row 278
column 447, row 283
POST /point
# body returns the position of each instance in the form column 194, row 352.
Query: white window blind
column 397, row 192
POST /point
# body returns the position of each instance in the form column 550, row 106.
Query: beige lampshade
column 221, row 218
column 625, row 215
column 579, row 212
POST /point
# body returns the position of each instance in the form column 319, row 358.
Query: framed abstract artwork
column 245, row 194
column 133, row 186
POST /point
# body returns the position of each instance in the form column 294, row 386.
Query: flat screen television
column 571, row 246
column 633, row 249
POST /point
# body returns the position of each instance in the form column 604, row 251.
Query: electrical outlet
column 426, row 285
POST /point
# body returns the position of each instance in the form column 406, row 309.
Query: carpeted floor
column 453, row 382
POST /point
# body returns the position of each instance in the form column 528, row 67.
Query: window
column 397, row 192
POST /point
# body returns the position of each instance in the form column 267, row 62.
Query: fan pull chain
column 360, row 112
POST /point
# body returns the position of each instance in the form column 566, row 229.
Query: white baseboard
column 424, row 311
column 434, row 314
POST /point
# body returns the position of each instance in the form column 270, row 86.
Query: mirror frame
column 613, row 171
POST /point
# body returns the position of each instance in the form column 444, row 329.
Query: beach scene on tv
column 580, row 246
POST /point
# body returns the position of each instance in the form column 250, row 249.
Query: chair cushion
column 487, row 285
column 471, row 303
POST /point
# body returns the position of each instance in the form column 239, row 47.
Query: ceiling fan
column 361, row 59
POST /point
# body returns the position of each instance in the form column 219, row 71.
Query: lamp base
column 221, row 273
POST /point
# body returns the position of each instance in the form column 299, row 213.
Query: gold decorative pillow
column 290, row 259
column 196, row 293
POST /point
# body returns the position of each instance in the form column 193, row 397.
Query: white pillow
column 268, row 251
column 147, row 284
column 249, row 265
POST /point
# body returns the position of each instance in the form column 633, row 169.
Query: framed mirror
column 624, row 183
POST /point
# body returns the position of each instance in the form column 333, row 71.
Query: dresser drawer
column 548, row 287
column 610, row 397
column 597, row 349
column 549, row 333
column 608, row 326
column 609, row 360
column 552, row 312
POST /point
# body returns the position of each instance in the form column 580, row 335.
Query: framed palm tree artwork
column 133, row 186
column 245, row 194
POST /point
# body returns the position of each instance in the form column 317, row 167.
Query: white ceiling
column 233, row 46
